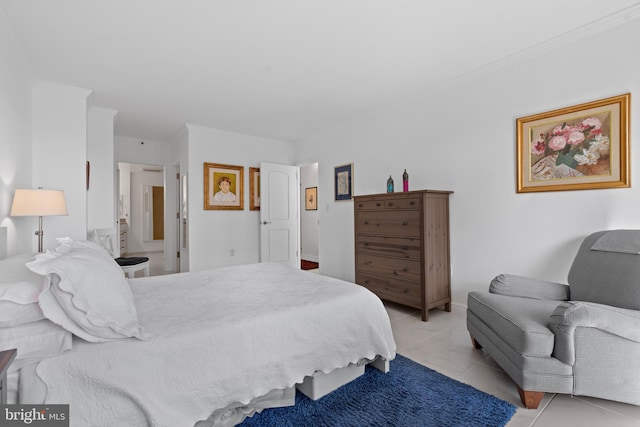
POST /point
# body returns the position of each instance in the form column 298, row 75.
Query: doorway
column 279, row 224
column 309, row 217
column 141, row 199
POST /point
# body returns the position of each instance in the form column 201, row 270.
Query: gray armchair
column 581, row 339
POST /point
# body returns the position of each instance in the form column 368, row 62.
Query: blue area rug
column 410, row 395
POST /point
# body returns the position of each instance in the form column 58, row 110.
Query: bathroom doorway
column 141, row 201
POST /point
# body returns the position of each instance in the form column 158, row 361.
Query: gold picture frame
column 582, row 147
column 311, row 199
column 223, row 185
column 254, row 189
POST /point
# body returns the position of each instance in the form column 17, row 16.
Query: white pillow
column 35, row 341
column 87, row 294
column 14, row 314
column 19, row 291
column 17, row 283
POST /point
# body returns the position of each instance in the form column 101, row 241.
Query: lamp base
column 40, row 233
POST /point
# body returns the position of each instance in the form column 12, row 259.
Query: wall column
column 60, row 154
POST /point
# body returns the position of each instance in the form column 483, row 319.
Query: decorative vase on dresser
column 402, row 247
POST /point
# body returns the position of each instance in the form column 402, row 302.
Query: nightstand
column 6, row 357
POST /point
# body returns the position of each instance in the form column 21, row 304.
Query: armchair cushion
column 520, row 322
column 570, row 315
column 622, row 241
column 605, row 277
column 519, row 286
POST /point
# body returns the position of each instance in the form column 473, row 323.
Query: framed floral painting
column 581, row 147
column 223, row 187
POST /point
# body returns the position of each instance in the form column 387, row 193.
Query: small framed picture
column 311, row 199
column 223, row 187
column 254, row 189
column 344, row 182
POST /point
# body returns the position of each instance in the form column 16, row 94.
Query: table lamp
column 29, row 202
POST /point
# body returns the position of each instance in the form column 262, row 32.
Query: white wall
column 60, row 155
column 309, row 220
column 16, row 81
column 101, row 199
column 214, row 233
column 462, row 138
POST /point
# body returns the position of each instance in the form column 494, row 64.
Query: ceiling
column 281, row 69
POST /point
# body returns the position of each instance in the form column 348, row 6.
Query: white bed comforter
column 220, row 336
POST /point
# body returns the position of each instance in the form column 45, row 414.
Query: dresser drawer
column 390, row 203
column 388, row 223
column 400, row 291
column 398, row 247
column 370, row 204
column 408, row 203
column 393, row 267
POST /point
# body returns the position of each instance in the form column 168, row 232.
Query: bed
column 201, row 348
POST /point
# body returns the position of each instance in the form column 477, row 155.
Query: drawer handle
column 406, row 291
column 395, row 273
column 366, row 282
column 366, row 223
column 406, row 248
column 406, row 269
column 378, row 204
column 368, row 262
column 359, row 205
column 412, row 203
column 390, row 204
column 405, row 223
column 366, row 244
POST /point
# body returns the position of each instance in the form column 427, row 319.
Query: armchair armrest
column 622, row 322
column 519, row 286
column 568, row 316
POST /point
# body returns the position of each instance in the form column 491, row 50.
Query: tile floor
column 443, row 344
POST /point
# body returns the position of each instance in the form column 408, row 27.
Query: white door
column 279, row 214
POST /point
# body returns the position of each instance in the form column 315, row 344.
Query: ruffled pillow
column 87, row 292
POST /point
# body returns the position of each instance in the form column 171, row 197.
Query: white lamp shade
column 27, row 202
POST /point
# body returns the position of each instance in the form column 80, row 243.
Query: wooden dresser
column 402, row 247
